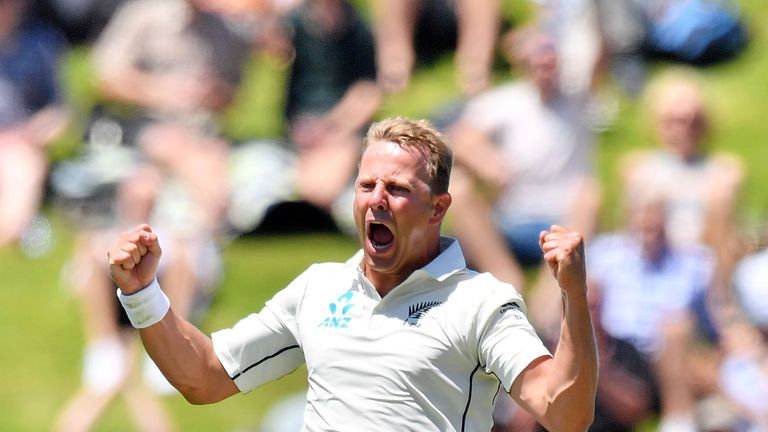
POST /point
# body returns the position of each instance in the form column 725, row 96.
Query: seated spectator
column 523, row 155
column 743, row 374
column 31, row 116
column 178, row 79
column 627, row 391
column 173, row 66
column 411, row 32
column 701, row 187
column 331, row 96
column 655, row 295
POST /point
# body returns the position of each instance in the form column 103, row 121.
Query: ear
column 440, row 204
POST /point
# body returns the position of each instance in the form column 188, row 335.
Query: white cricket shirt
column 430, row 356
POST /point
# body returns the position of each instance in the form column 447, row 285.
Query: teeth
column 376, row 245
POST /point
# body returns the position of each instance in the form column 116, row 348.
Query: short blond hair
column 422, row 136
column 666, row 90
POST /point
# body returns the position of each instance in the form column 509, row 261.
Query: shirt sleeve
column 508, row 342
column 265, row 346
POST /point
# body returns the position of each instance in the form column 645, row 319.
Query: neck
column 386, row 281
column 383, row 282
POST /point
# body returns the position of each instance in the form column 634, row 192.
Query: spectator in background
column 744, row 369
column 701, row 187
column 743, row 375
column 331, row 96
column 575, row 28
column 410, row 32
column 174, row 66
column 627, row 391
column 655, row 295
column 31, row 115
column 179, row 63
column 526, row 145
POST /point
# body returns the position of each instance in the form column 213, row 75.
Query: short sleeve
column 265, row 346
column 509, row 342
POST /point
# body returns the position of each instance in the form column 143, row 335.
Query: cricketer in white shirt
column 402, row 336
column 430, row 356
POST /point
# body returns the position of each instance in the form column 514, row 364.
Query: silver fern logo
column 417, row 311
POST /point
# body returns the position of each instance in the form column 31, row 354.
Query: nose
column 379, row 197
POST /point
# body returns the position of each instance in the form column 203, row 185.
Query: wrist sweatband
column 145, row 307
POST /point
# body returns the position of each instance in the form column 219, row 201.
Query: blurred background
column 234, row 127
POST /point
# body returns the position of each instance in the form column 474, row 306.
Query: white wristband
column 145, row 307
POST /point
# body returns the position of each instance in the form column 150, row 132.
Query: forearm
column 132, row 87
column 572, row 384
column 478, row 154
column 183, row 353
column 356, row 108
column 186, row 357
column 560, row 392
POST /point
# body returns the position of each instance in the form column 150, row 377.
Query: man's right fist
column 133, row 259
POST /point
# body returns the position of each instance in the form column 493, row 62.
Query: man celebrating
column 400, row 337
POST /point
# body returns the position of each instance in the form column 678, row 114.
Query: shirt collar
column 448, row 262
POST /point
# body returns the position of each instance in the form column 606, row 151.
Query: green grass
column 40, row 328
column 42, row 338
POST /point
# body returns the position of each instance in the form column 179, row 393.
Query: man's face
column 397, row 216
column 682, row 128
column 648, row 224
column 543, row 66
column 540, row 60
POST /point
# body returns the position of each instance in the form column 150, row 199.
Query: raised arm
column 560, row 391
column 182, row 352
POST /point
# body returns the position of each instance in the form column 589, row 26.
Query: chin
column 379, row 259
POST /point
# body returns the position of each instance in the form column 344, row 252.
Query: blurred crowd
column 679, row 290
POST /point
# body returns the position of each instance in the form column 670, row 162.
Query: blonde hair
column 666, row 90
column 422, row 136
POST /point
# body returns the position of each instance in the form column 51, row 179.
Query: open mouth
column 380, row 235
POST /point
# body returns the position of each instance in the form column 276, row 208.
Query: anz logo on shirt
column 339, row 309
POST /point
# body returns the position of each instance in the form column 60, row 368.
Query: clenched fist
column 133, row 259
column 564, row 254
